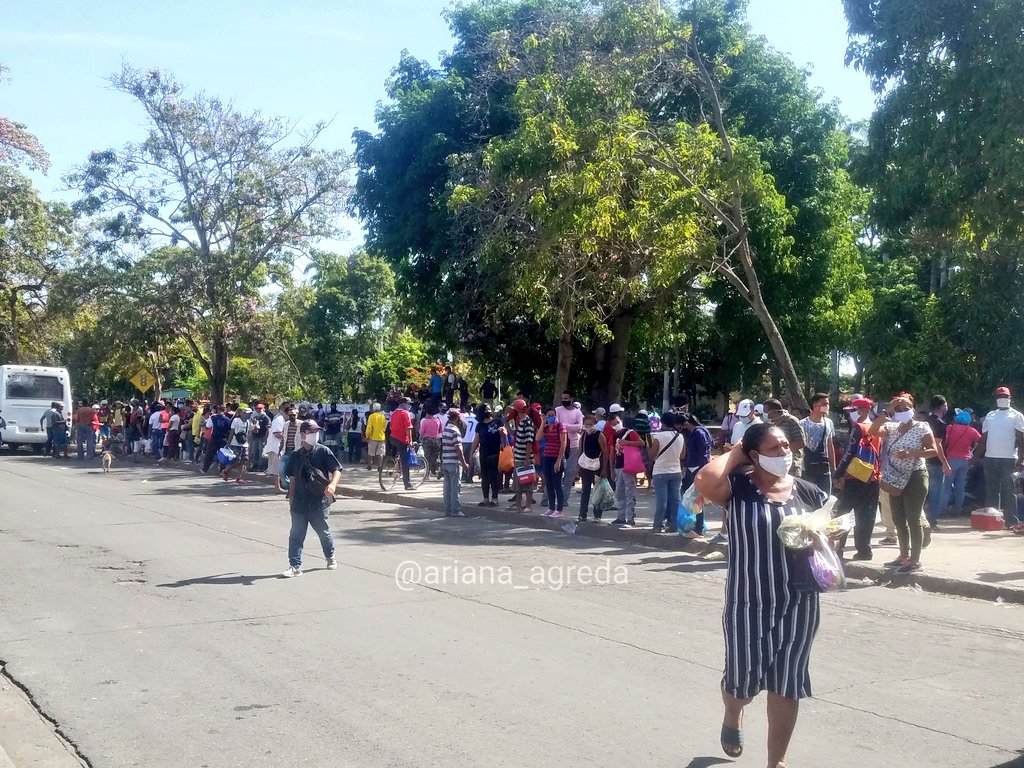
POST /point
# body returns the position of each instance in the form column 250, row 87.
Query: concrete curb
column 643, row 537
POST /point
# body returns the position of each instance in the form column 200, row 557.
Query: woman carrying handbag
column 907, row 444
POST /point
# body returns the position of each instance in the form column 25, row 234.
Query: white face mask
column 903, row 417
column 777, row 465
column 1002, row 403
column 311, row 438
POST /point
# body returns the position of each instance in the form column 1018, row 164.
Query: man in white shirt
column 469, row 422
column 1002, row 430
column 275, row 440
column 156, row 435
column 746, row 415
column 570, row 415
column 238, row 442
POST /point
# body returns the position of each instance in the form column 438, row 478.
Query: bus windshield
column 34, row 386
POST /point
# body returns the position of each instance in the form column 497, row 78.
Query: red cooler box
column 987, row 519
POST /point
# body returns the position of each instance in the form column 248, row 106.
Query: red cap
column 1003, row 392
column 859, row 403
column 535, row 407
column 519, row 404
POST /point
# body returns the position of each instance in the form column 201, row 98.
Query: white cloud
column 97, row 39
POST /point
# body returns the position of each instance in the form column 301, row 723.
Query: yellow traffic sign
column 143, row 380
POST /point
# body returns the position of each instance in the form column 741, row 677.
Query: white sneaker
column 292, row 571
column 332, row 564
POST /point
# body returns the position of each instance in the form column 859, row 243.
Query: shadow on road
column 1017, row 762
column 707, row 762
column 222, row 580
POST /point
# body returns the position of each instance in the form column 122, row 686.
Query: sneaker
column 899, row 562
column 909, row 567
column 617, row 522
column 492, row 503
column 458, row 514
column 631, row 522
column 292, row 571
column 861, row 556
column 719, row 538
column 581, row 519
column 332, row 564
column 410, row 488
column 888, row 540
column 240, row 481
column 671, row 529
column 549, row 513
column 658, row 529
column 556, row 513
column 597, row 518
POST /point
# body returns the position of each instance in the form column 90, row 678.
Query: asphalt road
column 144, row 612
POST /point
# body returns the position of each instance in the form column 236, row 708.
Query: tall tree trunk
column 675, row 373
column 15, row 354
column 220, row 370
column 564, row 366
column 598, row 384
column 622, row 327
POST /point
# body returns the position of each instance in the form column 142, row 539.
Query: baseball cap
column 309, row 426
column 615, row 408
column 1003, row 392
column 858, row 404
column 600, row 411
column 759, row 409
column 576, row 404
column 519, row 404
column 454, row 413
column 744, row 407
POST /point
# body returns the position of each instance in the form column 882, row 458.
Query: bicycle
column 390, row 471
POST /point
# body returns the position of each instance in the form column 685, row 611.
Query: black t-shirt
column 488, row 390
column 490, row 437
column 939, row 430
column 299, row 462
column 260, row 426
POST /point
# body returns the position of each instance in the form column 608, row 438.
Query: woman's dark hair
column 482, row 411
column 669, row 421
column 755, row 435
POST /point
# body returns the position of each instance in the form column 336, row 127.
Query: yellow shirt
column 375, row 426
column 197, row 425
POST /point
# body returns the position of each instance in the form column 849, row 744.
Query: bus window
column 34, row 386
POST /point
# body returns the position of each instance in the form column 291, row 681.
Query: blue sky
column 304, row 60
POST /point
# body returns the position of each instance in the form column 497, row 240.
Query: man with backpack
column 857, row 477
column 259, row 431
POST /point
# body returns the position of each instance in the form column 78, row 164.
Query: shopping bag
column 603, row 498
column 414, row 459
column 525, row 475
column 632, row 460
column 691, row 506
column 506, row 462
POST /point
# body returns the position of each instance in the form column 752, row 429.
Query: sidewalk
column 960, row 561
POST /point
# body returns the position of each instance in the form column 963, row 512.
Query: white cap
column 744, row 407
column 759, row 409
column 615, row 408
column 376, row 406
column 577, row 404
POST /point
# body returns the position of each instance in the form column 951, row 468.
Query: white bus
column 26, row 392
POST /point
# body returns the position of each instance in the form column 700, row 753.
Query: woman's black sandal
column 732, row 741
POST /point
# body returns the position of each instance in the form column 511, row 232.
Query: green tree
column 210, row 207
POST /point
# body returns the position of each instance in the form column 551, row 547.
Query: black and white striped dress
column 769, row 622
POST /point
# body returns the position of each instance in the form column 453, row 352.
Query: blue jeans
column 452, row 478
column 666, row 498
column 317, row 519
column 954, row 488
column 553, row 488
column 936, row 479
column 86, row 438
column 156, row 442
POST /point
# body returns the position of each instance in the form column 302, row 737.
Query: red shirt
column 553, row 439
column 401, row 423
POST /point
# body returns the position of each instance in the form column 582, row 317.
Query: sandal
column 732, row 741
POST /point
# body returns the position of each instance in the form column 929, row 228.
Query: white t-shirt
column 273, row 442
column 667, row 462
column 469, row 420
column 739, row 429
column 572, row 418
column 1001, row 428
column 175, row 422
column 154, row 420
column 239, row 427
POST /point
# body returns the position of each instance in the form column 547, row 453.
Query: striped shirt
column 451, row 441
column 525, row 434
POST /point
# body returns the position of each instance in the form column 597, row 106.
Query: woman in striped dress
column 769, row 621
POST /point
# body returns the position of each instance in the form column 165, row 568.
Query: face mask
column 903, row 417
column 1002, row 403
column 776, row 465
column 591, row 428
column 551, row 419
column 567, row 403
column 311, row 438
